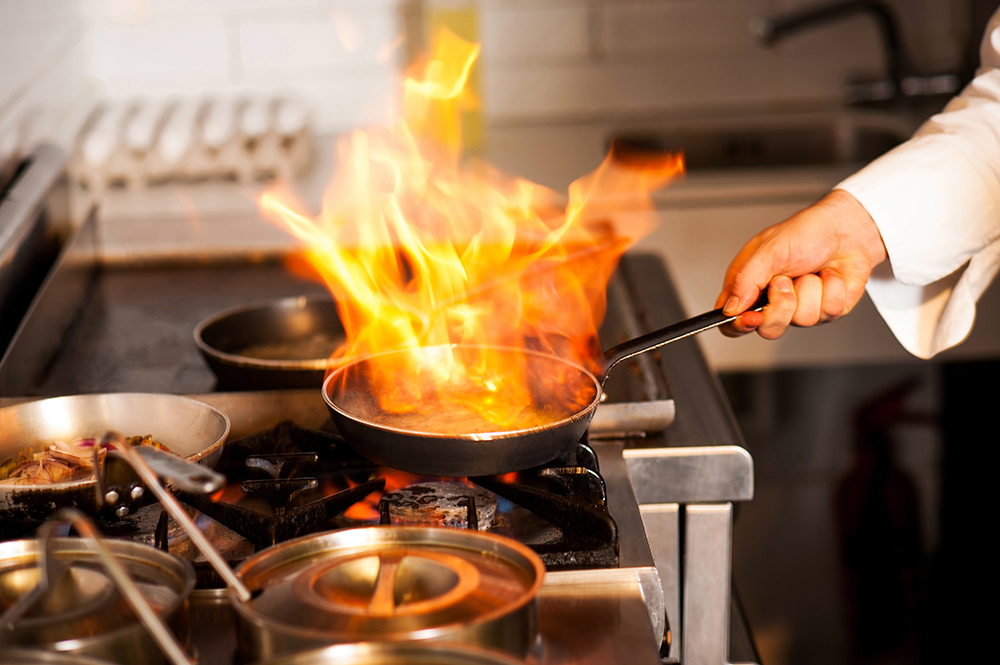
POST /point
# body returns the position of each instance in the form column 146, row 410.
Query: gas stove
column 291, row 481
column 633, row 525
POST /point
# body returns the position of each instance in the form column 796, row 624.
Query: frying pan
column 269, row 345
column 188, row 428
column 426, row 448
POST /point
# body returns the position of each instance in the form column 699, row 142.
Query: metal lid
column 389, row 583
column 85, row 602
column 37, row 657
column 403, row 653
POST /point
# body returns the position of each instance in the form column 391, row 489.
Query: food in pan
column 61, row 461
column 316, row 347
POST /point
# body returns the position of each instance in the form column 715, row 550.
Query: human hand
column 814, row 265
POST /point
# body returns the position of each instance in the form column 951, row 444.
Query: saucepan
column 385, row 584
column 190, row 429
column 82, row 596
column 450, row 443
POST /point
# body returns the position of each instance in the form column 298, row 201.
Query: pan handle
column 664, row 336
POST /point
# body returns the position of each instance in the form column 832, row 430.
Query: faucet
column 900, row 82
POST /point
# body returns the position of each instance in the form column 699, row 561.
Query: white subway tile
column 620, row 86
column 532, row 33
column 339, row 38
column 337, row 100
column 704, row 26
column 158, row 50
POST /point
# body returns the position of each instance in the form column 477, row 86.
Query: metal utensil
column 92, row 629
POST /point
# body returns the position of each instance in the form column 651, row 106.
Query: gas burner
column 292, row 481
column 449, row 504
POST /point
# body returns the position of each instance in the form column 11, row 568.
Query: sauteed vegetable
column 61, row 461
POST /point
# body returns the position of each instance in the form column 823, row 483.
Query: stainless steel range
column 634, row 526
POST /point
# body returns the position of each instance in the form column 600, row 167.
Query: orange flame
column 420, row 249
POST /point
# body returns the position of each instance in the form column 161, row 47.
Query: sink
column 768, row 142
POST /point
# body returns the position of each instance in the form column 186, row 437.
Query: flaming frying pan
column 445, row 444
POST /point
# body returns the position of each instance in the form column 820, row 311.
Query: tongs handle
column 175, row 510
column 118, row 487
column 133, row 596
column 52, row 569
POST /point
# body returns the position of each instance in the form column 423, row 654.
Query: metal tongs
column 143, row 460
column 53, row 568
column 148, row 464
column 121, row 490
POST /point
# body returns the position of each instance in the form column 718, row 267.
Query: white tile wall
column 338, row 56
column 527, row 34
column 633, row 56
column 542, row 59
column 682, row 27
column 162, row 56
column 41, row 75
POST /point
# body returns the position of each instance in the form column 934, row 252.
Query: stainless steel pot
column 62, row 595
column 404, row 653
column 386, row 584
column 389, row 585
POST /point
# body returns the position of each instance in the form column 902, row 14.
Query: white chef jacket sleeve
column 936, row 202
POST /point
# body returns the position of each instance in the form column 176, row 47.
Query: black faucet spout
column 773, row 29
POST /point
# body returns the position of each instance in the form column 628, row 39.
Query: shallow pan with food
column 190, row 429
column 270, row 345
column 438, row 440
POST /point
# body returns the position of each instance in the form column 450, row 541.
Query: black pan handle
column 664, row 336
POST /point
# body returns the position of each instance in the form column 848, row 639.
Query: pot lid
column 389, row 583
column 401, row 653
column 19, row 656
column 84, row 601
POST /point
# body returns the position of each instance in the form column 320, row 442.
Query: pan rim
column 471, row 436
column 260, row 568
column 235, row 359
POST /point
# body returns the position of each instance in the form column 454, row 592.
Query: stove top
column 112, row 319
column 290, row 481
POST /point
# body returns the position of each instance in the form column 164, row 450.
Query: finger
column 835, row 298
column 747, row 275
column 743, row 324
column 729, row 300
column 780, row 309
column 809, row 301
column 743, row 292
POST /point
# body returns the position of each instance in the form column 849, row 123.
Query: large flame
column 422, row 250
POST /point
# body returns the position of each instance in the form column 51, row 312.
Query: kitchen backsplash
column 542, row 59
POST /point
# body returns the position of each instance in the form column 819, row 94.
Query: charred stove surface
column 442, row 503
